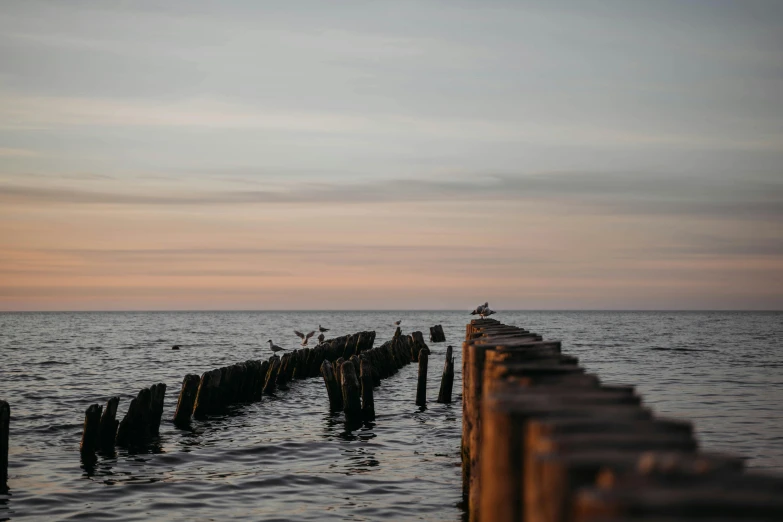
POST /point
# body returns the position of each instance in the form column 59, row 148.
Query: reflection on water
column 287, row 457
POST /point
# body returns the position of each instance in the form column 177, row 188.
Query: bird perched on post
column 480, row 309
column 274, row 347
column 486, row 312
column 322, row 329
column 304, row 337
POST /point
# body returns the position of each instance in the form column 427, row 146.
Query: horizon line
column 261, row 310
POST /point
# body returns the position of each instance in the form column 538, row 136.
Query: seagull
column 322, row 329
column 274, row 347
column 487, row 312
column 321, row 338
column 397, row 323
column 304, row 337
column 480, row 309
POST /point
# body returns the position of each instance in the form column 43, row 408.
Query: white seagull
column 304, row 337
column 486, row 313
column 274, row 347
column 322, row 329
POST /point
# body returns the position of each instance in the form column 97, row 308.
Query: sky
column 391, row 155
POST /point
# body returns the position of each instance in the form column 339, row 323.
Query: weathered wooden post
column 368, row 405
column 436, row 334
column 109, row 423
column 356, row 364
column 352, row 405
column 421, row 387
column 332, row 386
column 5, row 425
column 134, row 427
column 447, row 380
column 157, row 394
column 187, row 400
column 271, row 376
column 282, row 375
column 338, row 369
column 417, row 344
column 205, row 401
column 92, row 424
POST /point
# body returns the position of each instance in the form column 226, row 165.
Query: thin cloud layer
column 568, row 154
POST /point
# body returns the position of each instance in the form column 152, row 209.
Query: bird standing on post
column 480, row 309
column 274, row 347
column 322, row 329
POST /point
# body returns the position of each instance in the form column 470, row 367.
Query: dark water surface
column 287, row 458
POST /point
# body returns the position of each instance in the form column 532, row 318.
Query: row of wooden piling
column 345, row 389
column 210, row 393
column 350, row 382
column 545, row 441
column 102, row 430
column 250, row 380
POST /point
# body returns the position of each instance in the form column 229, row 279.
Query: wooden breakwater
column 545, row 441
column 209, row 394
column 350, row 381
column 350, row 366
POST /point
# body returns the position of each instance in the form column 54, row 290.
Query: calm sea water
column 287, row 458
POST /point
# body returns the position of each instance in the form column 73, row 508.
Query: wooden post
column 351, row 395
column 447, row 380
column 107, row 433
column 157, row 394
column 368, row 405
column 205, row 396
column 332, row 386
column 258, row 387
column 421, row 386
column 282, row 375
column 5, row 424
column 92, row 425
column 357, row 365
column 187, row 399
column 135, row 426
column 338, row 370
column 271, row 376
column 436, row 334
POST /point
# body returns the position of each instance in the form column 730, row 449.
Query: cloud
column 622, row 193
column 6, row 152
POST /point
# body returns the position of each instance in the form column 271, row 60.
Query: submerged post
column 421, row 388
column 332, row 386
column 271, row 376
column 368, row 405
column 109, row 423
column 351, row 402
column 187, row 399
column 157, row 393
column 5, row 421
column 92, row 423
column 447, row 380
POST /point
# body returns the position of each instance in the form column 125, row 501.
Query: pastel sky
column 391, row 155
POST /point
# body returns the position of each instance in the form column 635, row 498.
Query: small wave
column 663, row 349
column 53, row 363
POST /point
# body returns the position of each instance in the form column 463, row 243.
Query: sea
column 288, row 458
